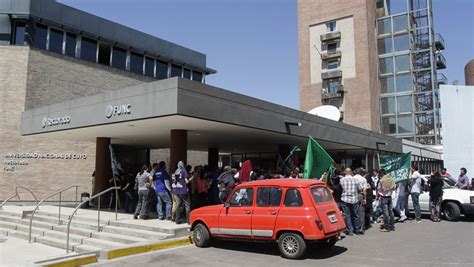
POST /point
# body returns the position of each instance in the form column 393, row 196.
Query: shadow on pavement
column 313, row 250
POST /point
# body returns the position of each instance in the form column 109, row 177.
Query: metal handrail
column 41, row 202
column 116, row 188
column 16, row 195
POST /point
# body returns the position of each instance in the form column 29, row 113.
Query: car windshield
column 321, row 194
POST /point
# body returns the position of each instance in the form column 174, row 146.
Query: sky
column 253, row 44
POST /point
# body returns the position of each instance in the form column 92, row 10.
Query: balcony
column 326, row 94
column 440, row 61
column 331, row 74
column 330, row 36
column 439, row 42
column 331, row 54
column 441, row 79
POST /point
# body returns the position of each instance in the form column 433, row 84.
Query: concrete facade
column 458, row 122
column 360, row 103
column 32, row 78
column 469, row 72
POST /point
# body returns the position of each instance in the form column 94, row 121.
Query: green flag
column 317, row 161
column 397, row 166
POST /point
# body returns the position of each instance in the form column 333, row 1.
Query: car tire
column 451, row 211
column 201, row 236
column 291, row 245
column 328, row 242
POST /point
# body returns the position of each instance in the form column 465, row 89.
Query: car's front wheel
column 291, row 245
column 201, row 235
column 451, row 211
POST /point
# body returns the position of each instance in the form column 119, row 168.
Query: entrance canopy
column 144, row 115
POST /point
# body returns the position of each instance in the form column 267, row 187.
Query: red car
column 291, row 212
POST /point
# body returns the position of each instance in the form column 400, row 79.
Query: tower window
column 331, row 26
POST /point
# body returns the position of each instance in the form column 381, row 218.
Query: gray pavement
column 423, row 244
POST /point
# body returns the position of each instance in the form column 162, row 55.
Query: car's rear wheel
column 451, row 211
column 291, row 245
column 201, row 235
column 328, row 242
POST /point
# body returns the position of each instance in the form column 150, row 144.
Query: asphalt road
column 423, row 244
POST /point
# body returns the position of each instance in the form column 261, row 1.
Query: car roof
column 284, row 182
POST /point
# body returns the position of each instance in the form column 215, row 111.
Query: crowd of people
column 364, row 198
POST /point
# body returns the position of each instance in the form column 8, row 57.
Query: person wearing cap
column 350, row 203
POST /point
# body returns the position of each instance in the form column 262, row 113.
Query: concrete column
column 213, row 157
column 178, row 148
column 103, row 169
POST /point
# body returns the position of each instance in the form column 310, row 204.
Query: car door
column 265, row 211
column 424, row 200
column 235, row 217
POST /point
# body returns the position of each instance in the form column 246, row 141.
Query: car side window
column 268, row 196
column 242, row 197
column 293, row 198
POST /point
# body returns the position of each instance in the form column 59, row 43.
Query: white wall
column 457, row 115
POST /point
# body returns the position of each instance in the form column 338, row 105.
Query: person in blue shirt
column 161, row 181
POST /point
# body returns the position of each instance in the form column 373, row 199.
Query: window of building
column 404, row 83
column 136, row 63
column 336, row 102
column 388, row 125
column 268, row 197
column 89, row 49
column 293, row 198
column 104, row 54
column 402, row 63
column 161, row 69
column 333, row 86
column 332, row 47
column 119, row 58
column 423, row 102
column 70, row 46
column 385, row 45
column 41, row 33
column 242, row 197
column 149, row 66
column 388, row 105
column 331, row 26
column 386, row 65
column 321, row 194
column 424, row 123
column 197, row 76
column 405, row 124
column 400, row 23
column 176, row 71
column 384, row 26
column 186, row 73
column 404, row 103
column 332, row 64
column 56, row 41
column 19, row 33
column 401, row 43
column 387, row 85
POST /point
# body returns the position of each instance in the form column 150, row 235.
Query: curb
column 137, row 249
column 73, row 261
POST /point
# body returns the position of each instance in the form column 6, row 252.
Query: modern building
column 377, row 61
column 457, row 118
column 73, row 85
column 469, row 73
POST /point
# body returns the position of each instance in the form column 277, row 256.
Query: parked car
column 291, row 212
column 455, row 201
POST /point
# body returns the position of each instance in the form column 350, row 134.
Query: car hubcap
column 290, row 245
column 197, row 234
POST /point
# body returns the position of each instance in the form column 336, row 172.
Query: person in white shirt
column 415, row 192
column 362, row 193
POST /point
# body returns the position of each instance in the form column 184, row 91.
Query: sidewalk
column 18, row 252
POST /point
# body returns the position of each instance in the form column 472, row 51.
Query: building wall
column 361, row 100
column 31, row 78
column 469, row 72
column 458, row 127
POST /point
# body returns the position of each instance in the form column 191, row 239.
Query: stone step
column 65, row 216
column 120, row 238
column 144, row 227
column 150, row 235
column 77, row 239
column 22, row 228
column 22, row 235
column 19, row 221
